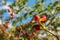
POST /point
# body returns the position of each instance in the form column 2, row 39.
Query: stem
column 47, row 30
column 52, row 34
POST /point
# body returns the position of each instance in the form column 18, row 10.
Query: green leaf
column 51, row 3
column 55, row 3
column 11, row 38
column 1, row 12
column 14, row 23
column 58, row 8
column 11, row 6
column 53, row 23
column 37, row 5
column 24, row 2
column 25, row 15
column 2, row 36
column 52, row 18
column 31, row 12
column 58, row 24
column 49, row 7
column 14, row 4
column 42, row 1
column 21, row 18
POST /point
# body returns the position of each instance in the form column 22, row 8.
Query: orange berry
column 43, row 18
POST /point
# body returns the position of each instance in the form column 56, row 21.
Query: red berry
column 27, row 34
column 36, row 17
column 12, row 15
column 16, row 35
column 44, row 18
column 37, row 27
column 18, row 29
column 9, row 10
column 0, row 25
column 5, row 25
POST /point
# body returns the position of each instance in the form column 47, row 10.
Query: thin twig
column 48, row 30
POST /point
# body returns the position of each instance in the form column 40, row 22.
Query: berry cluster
column 18, row 29
column 11, row 13
column 38, row 18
